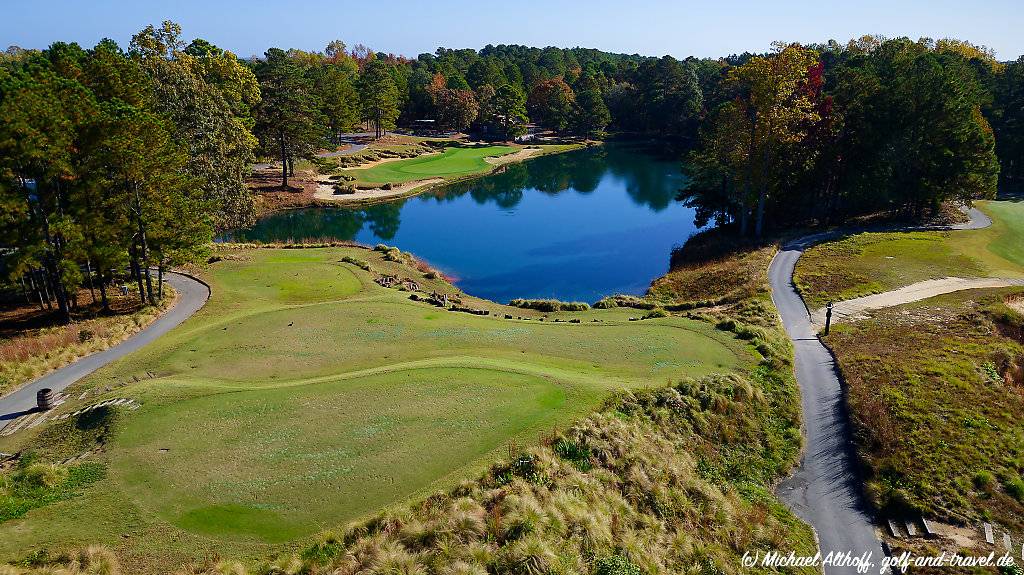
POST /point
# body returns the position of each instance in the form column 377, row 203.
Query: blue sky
column 707, row 28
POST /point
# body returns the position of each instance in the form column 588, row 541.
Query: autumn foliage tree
column 456, row 108
column 551, row 103
column 768, row 117
column 820, row 134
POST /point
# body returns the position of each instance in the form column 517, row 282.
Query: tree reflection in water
column 570, row 225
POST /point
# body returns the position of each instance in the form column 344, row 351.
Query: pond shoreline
column 315, row 199
column 573, row 227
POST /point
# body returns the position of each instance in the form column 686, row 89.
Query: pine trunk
column 284, row 160
column 103, row 293
column 92, row 289
column 759, row 225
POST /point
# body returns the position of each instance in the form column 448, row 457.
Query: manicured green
column 304, row 396
column 1008, row 224
column 452, row 162
column 290, row 458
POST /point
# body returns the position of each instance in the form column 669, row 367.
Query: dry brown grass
column 718, row 274
column 30, row 353
column 936, row 399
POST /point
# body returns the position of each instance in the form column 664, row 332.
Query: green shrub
column 655, row 313
column 991, row 371
column 323, row 165
column 575, row 453
column 615, row 565
column 394, row 255
column 40, row 476
column 983, row 480
column 1014, row 569
column 356, row 262
column 32, row 485
column 325, row 550
column 620, row 300
column 1015, row 487
column 549, row 305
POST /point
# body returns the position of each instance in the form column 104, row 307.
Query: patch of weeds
column 933, row 391
column 578, row 455
column 984, row 480
column 615, row 565
column 33, row 484
column 1015, row 488
column 991, row 372
column 655, row 313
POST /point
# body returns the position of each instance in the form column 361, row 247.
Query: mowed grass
column 304, row 396
column 452, row 162
column 869, row 263
column 291, row 458
column 1007, row 230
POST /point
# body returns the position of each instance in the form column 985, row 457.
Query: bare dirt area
column 21, row 316
column 513, row 157
column 300, row 192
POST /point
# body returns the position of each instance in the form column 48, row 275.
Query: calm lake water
column 575, row 226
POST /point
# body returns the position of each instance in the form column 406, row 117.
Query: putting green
column 449, row 163
column 304, row 396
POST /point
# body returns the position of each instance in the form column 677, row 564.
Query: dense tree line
column 572, row 91
column 310, row 98
column 115, row 160
column 822, row 133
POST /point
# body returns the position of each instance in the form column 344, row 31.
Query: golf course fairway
column 304, row 396
column 452, row 162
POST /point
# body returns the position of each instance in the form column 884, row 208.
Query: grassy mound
column 305, row 395
column 713, row 268
column 673, row 480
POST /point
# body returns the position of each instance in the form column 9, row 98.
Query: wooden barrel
column 45, row 398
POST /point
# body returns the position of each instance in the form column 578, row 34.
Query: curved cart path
column 192, row 295
column 826, row 489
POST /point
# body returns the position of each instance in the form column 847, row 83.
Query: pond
column 576, row 226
